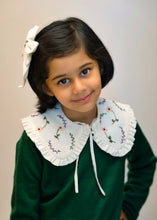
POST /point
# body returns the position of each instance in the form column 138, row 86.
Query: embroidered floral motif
column 109, row 109
column 39, row 129
column 72, row 141
column 63, row 120
column 50, row 145
column 57, row 133
column 109, row 137
column 79, row 123
column 101, row 102
column 123, row 135
column 46, row 122
column 104, row 129
column 101, row 116
column 122, row 109
column 35, row 115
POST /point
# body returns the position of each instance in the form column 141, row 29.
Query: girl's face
column 76, row 83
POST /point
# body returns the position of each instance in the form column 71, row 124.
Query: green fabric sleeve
column 26, row 190
column 141, row 168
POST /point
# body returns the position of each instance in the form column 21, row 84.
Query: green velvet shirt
column 46, row 192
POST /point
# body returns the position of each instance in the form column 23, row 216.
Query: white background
column 128, row 28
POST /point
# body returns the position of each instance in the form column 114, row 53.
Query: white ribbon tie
column 29, row 48
column 94, row 167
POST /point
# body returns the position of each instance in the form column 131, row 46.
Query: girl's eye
column 63, row 81
column 85, row 72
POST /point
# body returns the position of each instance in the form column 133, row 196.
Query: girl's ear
column 46, row 90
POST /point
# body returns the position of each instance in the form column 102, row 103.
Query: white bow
column 29, row 48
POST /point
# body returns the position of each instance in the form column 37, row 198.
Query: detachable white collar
column 61, row 141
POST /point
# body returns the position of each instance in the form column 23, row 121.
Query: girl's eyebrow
column 59, row 76
column 64, row 74
column 84, row 65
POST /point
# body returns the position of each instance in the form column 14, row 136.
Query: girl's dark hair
column 60, row 39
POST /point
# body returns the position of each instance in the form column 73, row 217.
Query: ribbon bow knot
column 30, row 47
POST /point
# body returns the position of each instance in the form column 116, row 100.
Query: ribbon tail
column 94, row 164
column 76, row 177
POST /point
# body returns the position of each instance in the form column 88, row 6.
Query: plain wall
column 128, row 28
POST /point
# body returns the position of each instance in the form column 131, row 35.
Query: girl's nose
column 78, row 86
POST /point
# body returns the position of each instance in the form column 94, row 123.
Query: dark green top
column 46, row 192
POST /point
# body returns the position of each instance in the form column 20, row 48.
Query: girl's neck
column 83, row 117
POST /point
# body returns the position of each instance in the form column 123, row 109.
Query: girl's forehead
column 70, row 63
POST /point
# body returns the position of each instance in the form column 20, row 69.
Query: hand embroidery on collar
column 61, row 141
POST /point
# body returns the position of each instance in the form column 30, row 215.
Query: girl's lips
column 85, row 99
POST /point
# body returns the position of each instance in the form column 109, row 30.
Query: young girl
column 70, row 159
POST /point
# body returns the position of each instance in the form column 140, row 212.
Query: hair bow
column 30, row 47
